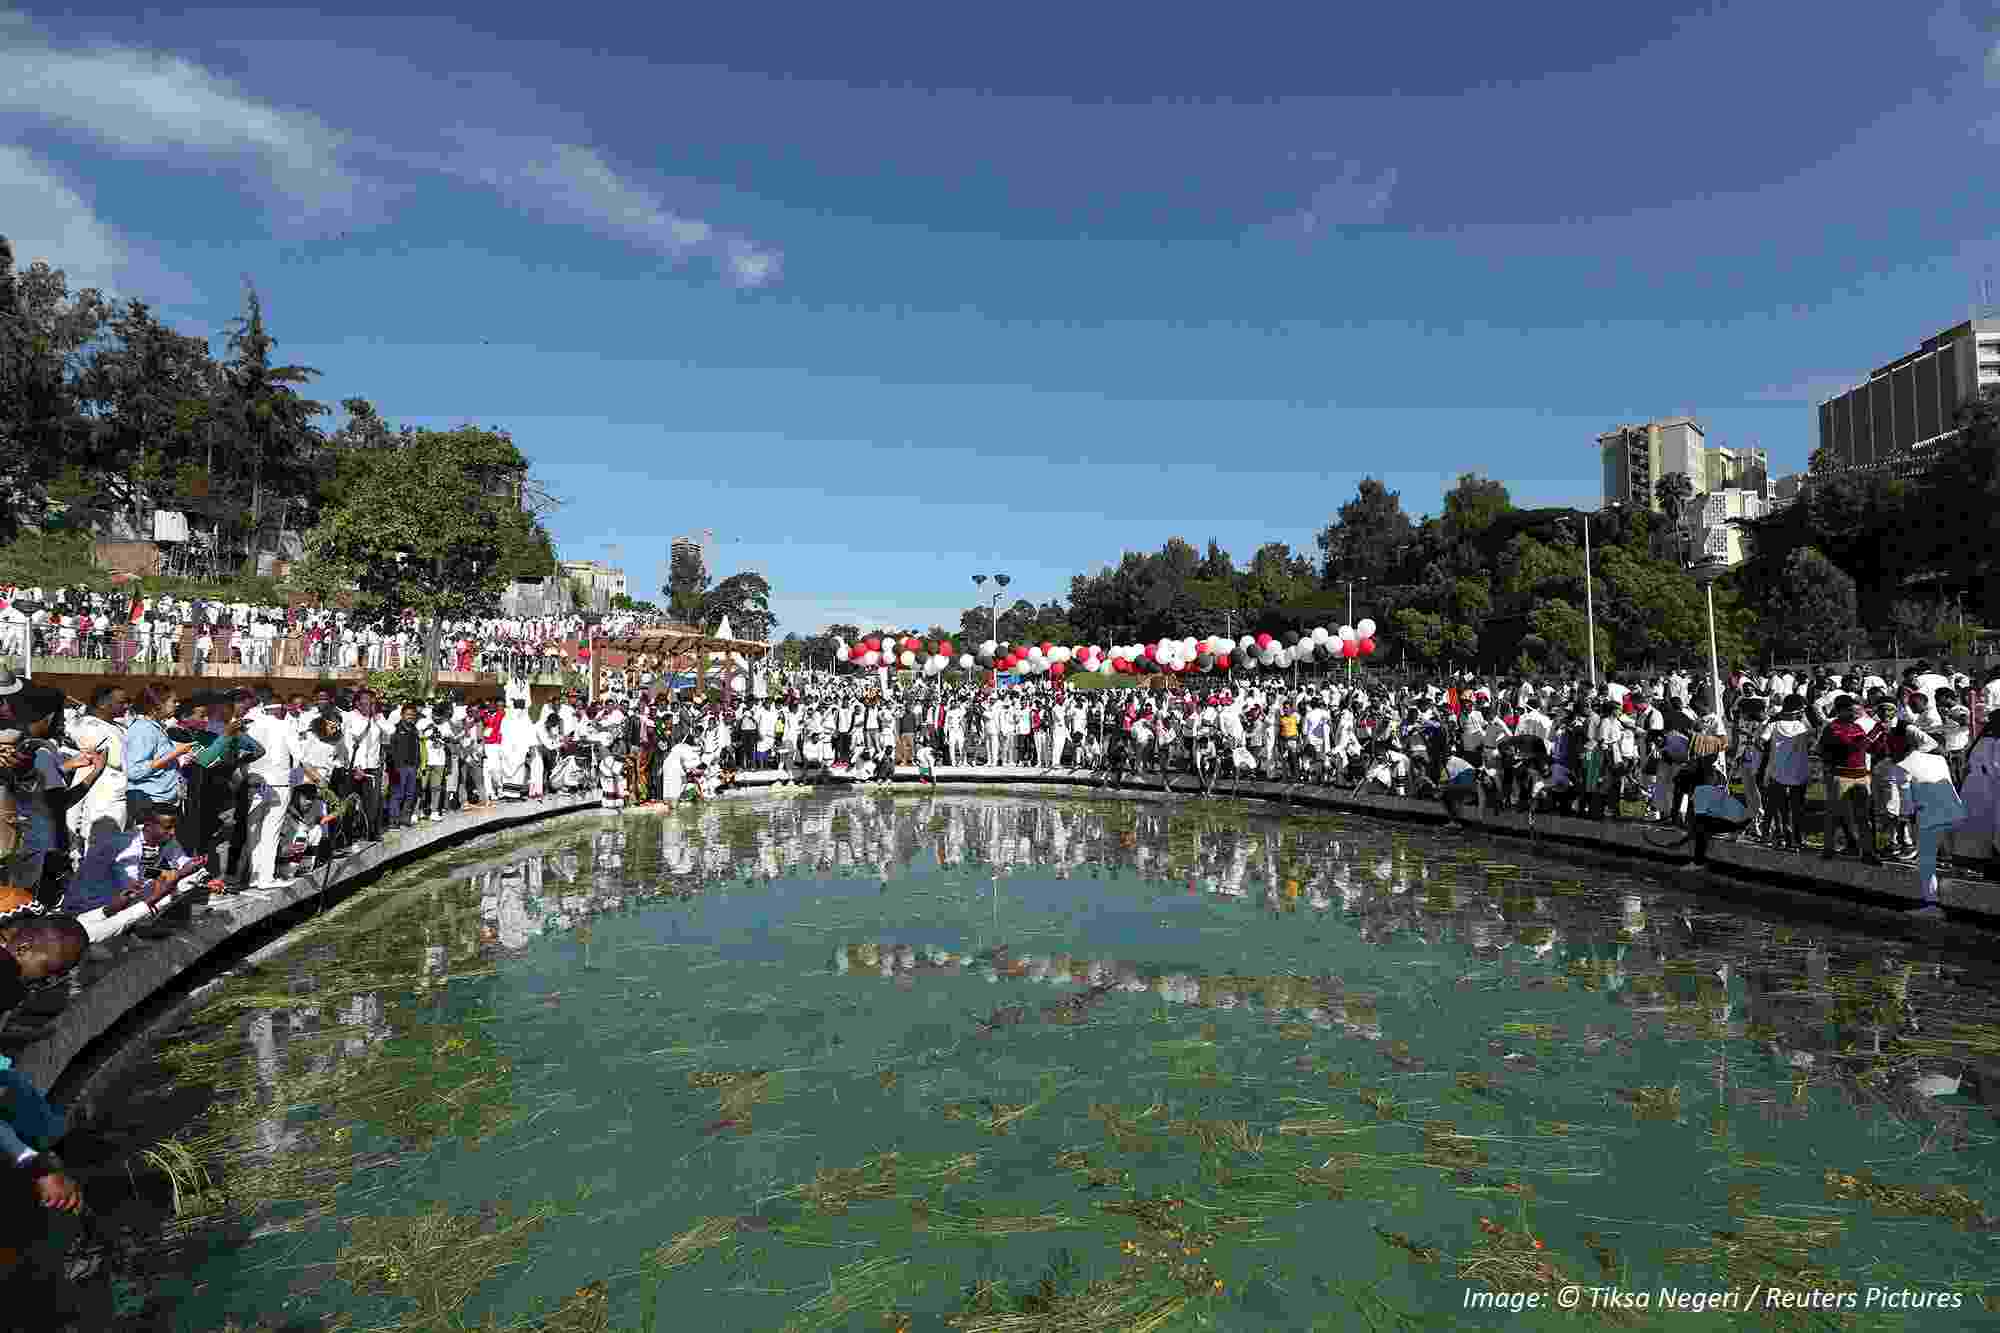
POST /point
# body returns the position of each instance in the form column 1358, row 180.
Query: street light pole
column 1000, row 581
column 1708, row 571
column 1589, row 607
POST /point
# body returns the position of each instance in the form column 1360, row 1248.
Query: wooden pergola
column 670, row 643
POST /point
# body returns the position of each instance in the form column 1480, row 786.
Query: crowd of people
column 116, row 627
column 116, row 806
column 1907, row 765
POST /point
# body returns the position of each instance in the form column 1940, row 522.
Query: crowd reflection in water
column 1818, row 1000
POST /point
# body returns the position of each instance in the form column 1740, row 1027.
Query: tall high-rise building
column 1904, row 408
column 1635, row 457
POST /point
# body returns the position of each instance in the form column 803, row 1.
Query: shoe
column 1929, row 912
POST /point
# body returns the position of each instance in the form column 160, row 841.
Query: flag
column 138, row 609
column 1451, row 700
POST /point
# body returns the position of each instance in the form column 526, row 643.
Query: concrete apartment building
column 1888, row 421
column 603, row 581
column 1730, row 483
column 1635, row 457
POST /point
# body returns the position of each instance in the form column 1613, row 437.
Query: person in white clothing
column 271, row 777
column 101, row 806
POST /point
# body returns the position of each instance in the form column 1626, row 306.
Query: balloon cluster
column 890, row 648
column 1215, row 652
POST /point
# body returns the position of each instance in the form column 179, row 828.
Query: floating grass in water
column 194, row 1192
column 691, row 1244
column 1948, row 1201
column 1217, row 1135
column 1653, row 1103
column 864, row 1286
column 1768, row 1250
column 435, row 1260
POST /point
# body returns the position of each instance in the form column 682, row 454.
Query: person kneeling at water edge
column 35, row 951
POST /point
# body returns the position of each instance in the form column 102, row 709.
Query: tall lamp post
column 1706, row 572
column 1000, row 582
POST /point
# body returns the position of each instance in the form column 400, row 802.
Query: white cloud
column 572, row 183
column 1354, row 198
column 48, row 220
column 145, row 101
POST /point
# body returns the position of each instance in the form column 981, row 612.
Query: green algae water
column 994, row 1063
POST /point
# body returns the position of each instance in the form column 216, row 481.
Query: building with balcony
column 1635, row 457
column 1716, row 521
column 1725, row 468
column 1888, row 422
column 601, row 581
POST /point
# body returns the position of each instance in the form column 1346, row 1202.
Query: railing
column 121, row 650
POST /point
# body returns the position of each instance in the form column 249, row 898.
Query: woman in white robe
column 1978, row 838
column 517, row 742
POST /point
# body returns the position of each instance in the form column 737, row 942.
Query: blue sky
column 886, row 296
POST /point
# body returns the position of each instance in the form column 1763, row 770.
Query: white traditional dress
column 1979, row 836
column 517, row 743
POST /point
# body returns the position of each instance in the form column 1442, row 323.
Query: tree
column 687, row 583
column 1473, row 505
column 143, row 392
column 1673, row 491
column 745, row 598
column 1815, row 612
column 1274, row 578
column 1363, row 540
column 1422, row 632
column 44, row 335
column 280, row 446
column 1564, row 631
column 424, row 530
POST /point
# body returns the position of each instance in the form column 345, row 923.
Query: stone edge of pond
column 1892, row 886
column 143, row 967
column 140, row 968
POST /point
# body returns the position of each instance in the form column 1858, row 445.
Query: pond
column 996, row 1063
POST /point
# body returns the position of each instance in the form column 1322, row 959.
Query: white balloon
column 987, row 648
column 908, row 658
column 1247, row 642
column 870, row 659
column 965, row 661
column 1347, row 633
column 1366, row 629
column 1319, row 635
column 739, row 684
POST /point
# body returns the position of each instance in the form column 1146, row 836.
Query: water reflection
column 954, row 951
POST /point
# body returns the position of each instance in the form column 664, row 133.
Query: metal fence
column 184, row 651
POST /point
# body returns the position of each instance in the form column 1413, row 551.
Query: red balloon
column 1222, row 662
column 1056, row 669
column 944, row 649
column 1367, row 646
column 1045, row 648
column 871, row 645
column 1151, row 648
column 1349, row 648
column 1263, row 641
